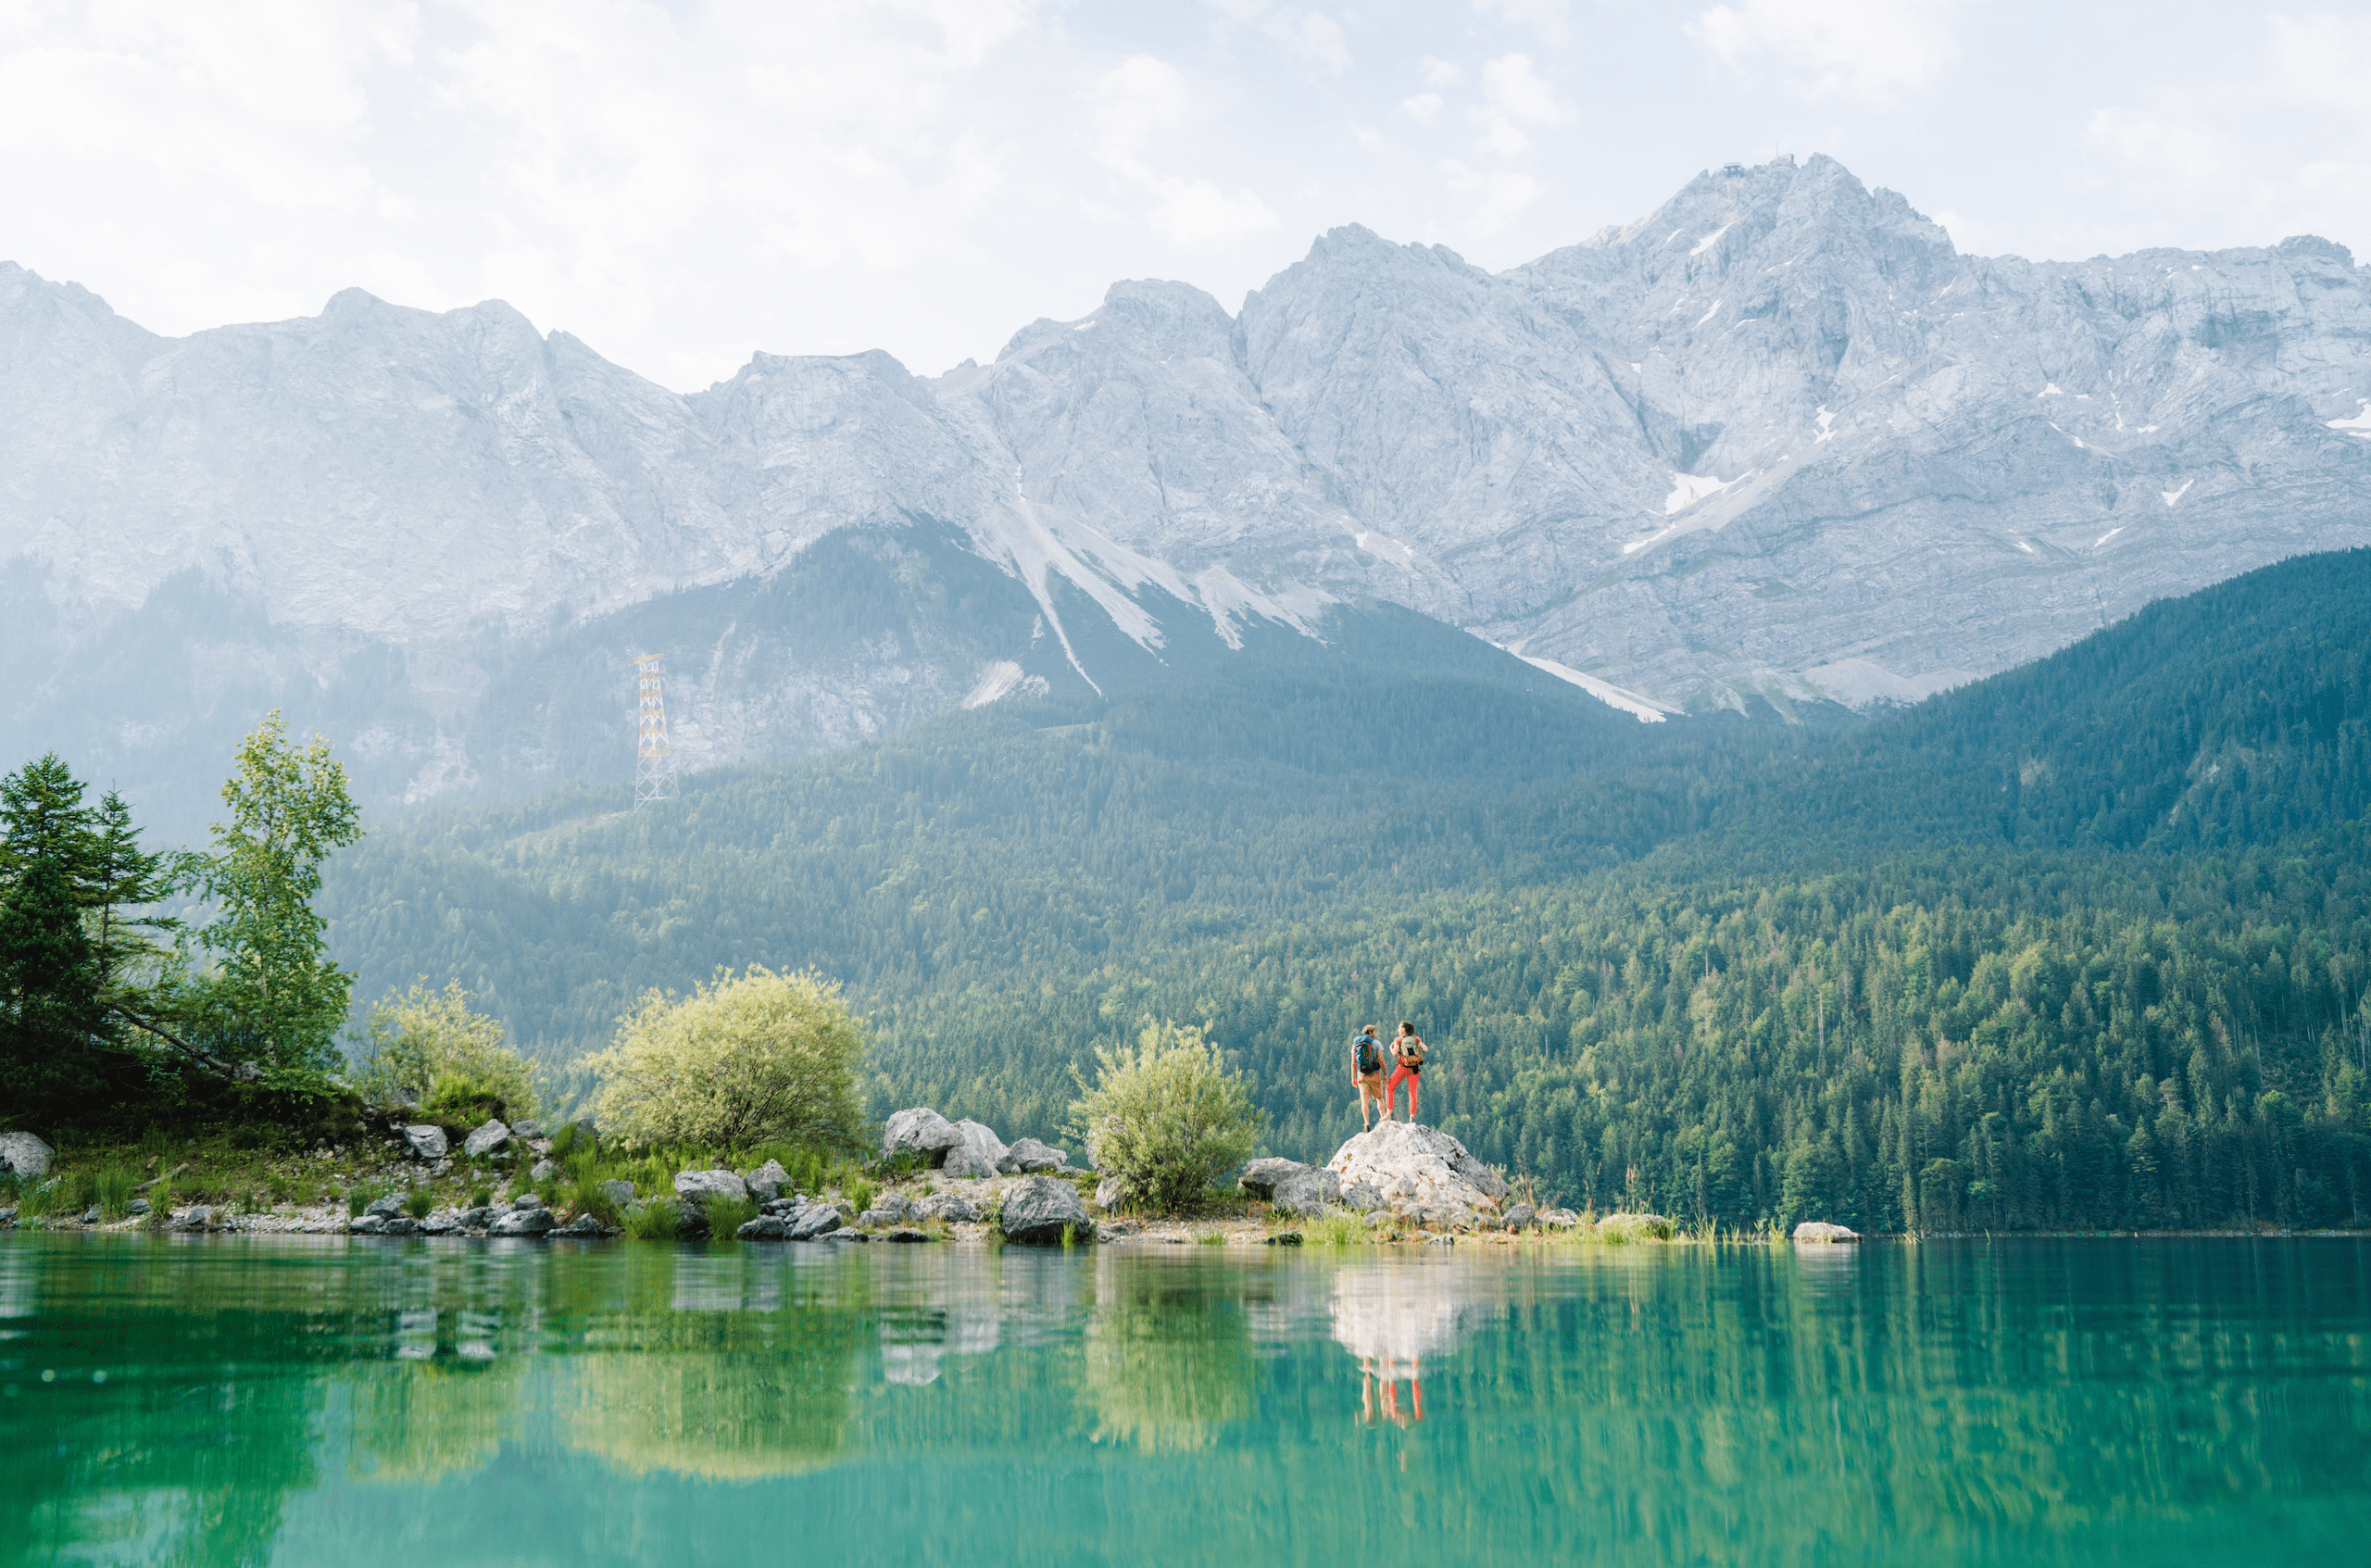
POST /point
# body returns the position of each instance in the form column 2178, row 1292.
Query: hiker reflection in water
column 1375, row 1370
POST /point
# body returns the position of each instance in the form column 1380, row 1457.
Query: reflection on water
column 1392, row 1316
column 254, row 1399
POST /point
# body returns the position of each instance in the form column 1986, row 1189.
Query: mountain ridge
column 1778, row 441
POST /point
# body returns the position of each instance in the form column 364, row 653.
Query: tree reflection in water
column 1168, row 1358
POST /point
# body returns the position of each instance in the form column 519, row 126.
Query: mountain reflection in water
column 301, row 1401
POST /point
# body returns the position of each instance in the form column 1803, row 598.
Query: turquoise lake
column 213, row 1400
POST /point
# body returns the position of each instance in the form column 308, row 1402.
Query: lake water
column 320, row 1400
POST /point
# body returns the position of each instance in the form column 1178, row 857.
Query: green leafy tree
column 744, row 1060
column 421, row 1041
column 273, row 996
column 1165, row 1118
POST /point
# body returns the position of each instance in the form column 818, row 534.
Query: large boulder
column 486, row 1139
column 767, row 1181
column 1109, row 1193
column 765, row 1227
column 816, row 1220
column 25, row 1156
column 523, row 1221
column 704, row 1184
column 1260, row 1178
column 1418, row 1167
column 428, row 1142
column 921, row 1131
column 949, row 1206
column 981, row 1153
column 1307, row 1191
column 386, row 1208
column 1037, row 1210
column 1819, row 1230
column 1030, row 1156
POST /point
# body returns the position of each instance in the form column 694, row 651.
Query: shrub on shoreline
column 1165, row 1118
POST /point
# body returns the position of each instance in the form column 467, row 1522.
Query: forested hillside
column 2084, row 945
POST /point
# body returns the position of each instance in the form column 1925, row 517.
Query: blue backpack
column 1370, row 1054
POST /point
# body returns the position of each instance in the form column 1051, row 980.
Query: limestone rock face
column 1038, row 1208
column 919, row 1131
column 24, row 1155
column 697, row 1185
column 426, row 1142
column 1778, row 436
column 1821, row 1231
column 1419, row 1169
column 486, row 1139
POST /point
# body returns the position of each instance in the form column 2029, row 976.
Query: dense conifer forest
column 2086, row 945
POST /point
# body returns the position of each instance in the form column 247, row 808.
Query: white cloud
column 1312, row 35
column 1439, row 74
column 1870, row 52
column 1546, row 18
column 1423, row 109
column 1142, row 96
column 1516, row 100
column 1499, row 194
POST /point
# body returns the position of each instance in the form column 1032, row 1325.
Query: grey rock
column 527, row 1128
column 1380, row 1218
column 1109, row 1193
column 1821, row 1231
column 137, row 1206
column 1260, row 1178
column 1519, row 1216
column 197, row 1217
column 1037, row 1210
column 618, row 1192
column 487, row 1138
column 783, row 1206
column 444, row 1221
column 845, row 1233
column 1420, row 1171
column 400, row 1224
column 767, row 1181
column 1285, row 1238
column 1363, row 1196
column 25, row 1156
column 1029, row 1155
column 582, row 1225
column 981, row 1153
column 765, row 1227
column 523, row 1221
column 541, row 1145
column 1307, row 1191
column 814, row 1221
column 921, row 1131
column 950, row 1207
column 906, row 1233
column 691, row 1219
column 387, row 1207
column 527, row 1200
column 367, row 1224
column 475, row 1219
column 1559, row 1218
column 712, row 1183
column 427, row 1142
column 542, row 1171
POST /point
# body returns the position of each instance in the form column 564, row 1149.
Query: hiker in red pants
column 1409, row 1050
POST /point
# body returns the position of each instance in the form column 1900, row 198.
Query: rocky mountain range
column 1776, row 443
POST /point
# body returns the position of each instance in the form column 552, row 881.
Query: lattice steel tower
column 654, row 760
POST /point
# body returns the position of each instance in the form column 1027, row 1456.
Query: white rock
column 1820, row 1231
column 24, row 1155
column 981, row 1153
column 1029, row 1155
column 1423, row 1171
column 711, row 1184
column 492, row 1135
column 919, row 1131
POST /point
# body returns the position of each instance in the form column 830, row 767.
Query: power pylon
column 654, row 763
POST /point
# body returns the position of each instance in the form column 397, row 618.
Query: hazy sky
column 679, row 183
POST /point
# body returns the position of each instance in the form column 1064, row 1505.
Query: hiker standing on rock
column 1366, row 1073
column 1410, row 1049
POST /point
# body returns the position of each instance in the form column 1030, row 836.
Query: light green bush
column 744, row 1060
column 1165, row 1118
column 421, row 1037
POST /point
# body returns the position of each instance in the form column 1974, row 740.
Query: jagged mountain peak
column 1778, row 438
